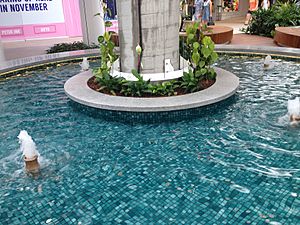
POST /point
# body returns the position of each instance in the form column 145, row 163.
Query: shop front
column 222, row 9
column 226, row 9
column 112, row 15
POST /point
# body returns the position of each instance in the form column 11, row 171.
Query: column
column 217, row 14
column 92, row 26
column 160, row 38
column 2, row 57
column 243, row 6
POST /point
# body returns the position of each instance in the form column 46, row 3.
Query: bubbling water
column 85, row 65
column 294, row 107
column 28, row 146
column 268, row 64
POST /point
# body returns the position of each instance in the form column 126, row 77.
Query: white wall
column 2, row 58
column 92, row 26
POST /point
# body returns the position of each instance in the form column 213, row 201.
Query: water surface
column 236, row 163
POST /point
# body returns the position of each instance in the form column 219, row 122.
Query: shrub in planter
column 281, row 14
column 199, row 52
column 135, row 88
column 66, row 47
column 262, row 23
column 201, row 55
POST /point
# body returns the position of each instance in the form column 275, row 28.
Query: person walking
column 207, row 11
column 253, row 6
column 198, row 10
column 265, row 4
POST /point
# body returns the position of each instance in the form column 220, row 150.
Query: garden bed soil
column 93, row 84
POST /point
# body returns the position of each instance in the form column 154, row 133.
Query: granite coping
column 287, row 36
column 260, row 50
column 77, row 89
column 225, row 86
column 219, row 34
column 20, row 63
column 16, row 64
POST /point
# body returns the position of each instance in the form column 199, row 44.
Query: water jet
column 30, row 154
column 294, row 110
column 84, row 64
column 268, row 64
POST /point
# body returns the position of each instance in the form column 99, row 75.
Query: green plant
column 136, row 88
column 198, row 49
column 190, row 82
column 166, row 88
column 66, row 47
column 108, row 55
column 280, row 14
column 109, row 84
column 287, row 14
column 183, row 50
column 200, row 52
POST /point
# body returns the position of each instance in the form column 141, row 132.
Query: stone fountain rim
column 77, row 90
column 13, row 66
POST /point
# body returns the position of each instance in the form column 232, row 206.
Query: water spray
column 294, row 110
column 30, row 154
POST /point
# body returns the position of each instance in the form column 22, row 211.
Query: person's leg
column 181, row 23
column 248, row 18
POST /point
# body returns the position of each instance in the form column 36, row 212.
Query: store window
column 111, row 15
column 230, row 5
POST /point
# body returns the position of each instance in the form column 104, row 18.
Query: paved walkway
column 27, row 48
column 21, row 49
column 237, row 23
column 240, row 38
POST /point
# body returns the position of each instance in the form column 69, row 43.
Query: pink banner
column 65, row 15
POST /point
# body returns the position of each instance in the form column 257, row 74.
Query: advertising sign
column 24, row 12
column 21, row 19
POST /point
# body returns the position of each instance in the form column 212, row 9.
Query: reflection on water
column 234, row 163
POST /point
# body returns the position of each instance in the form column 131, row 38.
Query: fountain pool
column 234, row 163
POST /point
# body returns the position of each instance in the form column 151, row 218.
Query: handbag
column 210, row 22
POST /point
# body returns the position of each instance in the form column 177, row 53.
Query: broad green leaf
column 206, row 52
column 214, row 56
column 191, row 37
column 110, row 45
column 202, row 64
column 206, row 40
column 106, row 36
column 212, row 75
column 203, row 71
column 196, row 45
column 196, row 58
column 189, row 29
column 198, row 74
column 211, row 46
column 196, row 25
column 100, row 39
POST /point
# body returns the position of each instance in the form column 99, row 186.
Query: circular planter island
column 77, row 89
column 287, row 36
column 218, row 34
